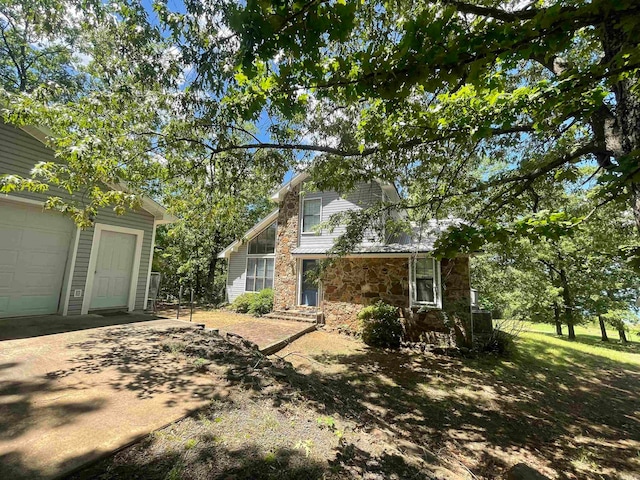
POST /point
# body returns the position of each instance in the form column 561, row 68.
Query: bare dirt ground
column 343, row 410
column 266, row 422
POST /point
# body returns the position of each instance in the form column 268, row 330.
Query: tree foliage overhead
column 472, row 105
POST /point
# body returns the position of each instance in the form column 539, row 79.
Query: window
column 265, row 242
column 311, row 213
column 426, row 281
column 259, row 274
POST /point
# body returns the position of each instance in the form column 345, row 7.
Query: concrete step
column 294, row 316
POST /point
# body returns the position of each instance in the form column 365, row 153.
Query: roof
column 257, row 228
column 422, row 239
column 159, row 212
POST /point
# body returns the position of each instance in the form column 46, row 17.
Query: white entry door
column 114, row 267
column 34, row 247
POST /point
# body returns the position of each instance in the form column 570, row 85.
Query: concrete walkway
column 68, row 398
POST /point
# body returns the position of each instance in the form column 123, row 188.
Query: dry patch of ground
column 341, row 410
column 219, row 318
column 267, row 421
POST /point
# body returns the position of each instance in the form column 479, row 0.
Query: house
column 48, row 265
column 278, row 252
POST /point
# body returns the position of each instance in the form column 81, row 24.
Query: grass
column 568, row 409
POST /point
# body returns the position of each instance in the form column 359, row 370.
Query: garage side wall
column 19, row 153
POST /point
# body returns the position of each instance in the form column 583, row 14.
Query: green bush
column 254, row 303
column 243, row 303
column 380, row 325
column 262, row 303
column 501, row 343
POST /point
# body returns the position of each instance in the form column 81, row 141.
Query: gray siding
column 365, row 195
column 237, row 272
column 19, row 152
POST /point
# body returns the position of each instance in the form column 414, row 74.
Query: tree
column 478, row 100
column 214, row 209
column 568, row 279
column 37, row 46
column 559, row 78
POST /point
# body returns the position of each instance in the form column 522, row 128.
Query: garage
column 34, row 249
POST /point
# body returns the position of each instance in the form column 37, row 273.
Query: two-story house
column 279, row 251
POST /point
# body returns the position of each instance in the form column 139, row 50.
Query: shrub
column 500, row 343
column 254, row 303
column 380, row 325
column 243, row 303
column 262, row 303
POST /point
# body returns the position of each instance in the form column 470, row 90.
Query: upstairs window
column 265, row 242
column 425, row 281
column 311, row 214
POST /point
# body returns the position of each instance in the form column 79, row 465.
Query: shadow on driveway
column 69, row 398
column 29, row 327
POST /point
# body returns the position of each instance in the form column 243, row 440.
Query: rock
column 522, row 471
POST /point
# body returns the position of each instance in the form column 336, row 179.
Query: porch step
column 296, row 315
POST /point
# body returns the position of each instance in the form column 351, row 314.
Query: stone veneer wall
column 286, row 280
column 353, row 283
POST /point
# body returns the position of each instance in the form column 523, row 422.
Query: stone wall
column 353, row 283
column 286, row 280
column 350, row 284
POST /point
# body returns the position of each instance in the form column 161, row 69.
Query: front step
column 296, row 316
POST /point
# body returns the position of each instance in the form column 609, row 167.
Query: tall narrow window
column 259, row 274
column 426, row 281
column 311, row 214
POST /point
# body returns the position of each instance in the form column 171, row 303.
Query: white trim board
column 95, row 246
column 28, row 201
column 153, row 246
column 72, row 269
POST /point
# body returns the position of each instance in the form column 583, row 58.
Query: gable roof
column 252, row 232
column 278, row 195
column 159, row 212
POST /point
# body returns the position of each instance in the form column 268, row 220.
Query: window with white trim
column 311, row 214
column 425, row 281
column 264, row 243
column 259, row 274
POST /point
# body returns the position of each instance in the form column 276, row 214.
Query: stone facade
column 449, row 325
column 286, row 280
column 350, row 284
column 353, row 283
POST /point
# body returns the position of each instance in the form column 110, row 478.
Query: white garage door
column 34, row 246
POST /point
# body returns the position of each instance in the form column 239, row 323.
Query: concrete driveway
column 68, row 398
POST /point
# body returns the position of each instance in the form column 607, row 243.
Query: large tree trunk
column 211, row 277
column 572, row 331
column 623, row 335
column 623, row 137
column 556, row 318
column 603, row 329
